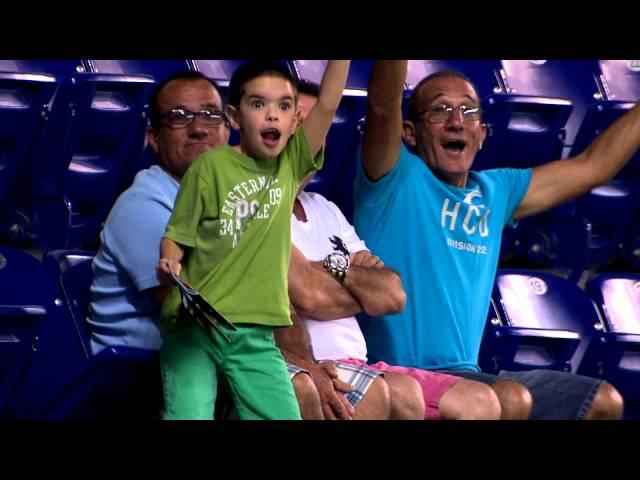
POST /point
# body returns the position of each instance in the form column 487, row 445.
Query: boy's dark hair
column 188, row 75
column 412, row 109
column 254, row 69
column 307, row 87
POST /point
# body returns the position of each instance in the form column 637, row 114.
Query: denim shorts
column 556, row 395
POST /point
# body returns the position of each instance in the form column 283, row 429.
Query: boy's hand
column 163, row 270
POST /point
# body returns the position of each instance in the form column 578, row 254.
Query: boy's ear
column 232, row 115
column 298, row 120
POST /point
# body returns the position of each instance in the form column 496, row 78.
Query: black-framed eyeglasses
column 179, row 117
column 442, row 113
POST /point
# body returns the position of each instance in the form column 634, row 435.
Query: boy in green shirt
column 230, row 232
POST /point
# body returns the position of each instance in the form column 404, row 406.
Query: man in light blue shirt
column 186, row 120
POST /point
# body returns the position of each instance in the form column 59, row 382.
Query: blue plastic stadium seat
column 606, row 209
column 23, row 100
column 543, row 321
column 610, row 207
column 74, row 270
column 33, row 327
column 159, row 70
column 63, row 379
column 617, row 296
column 93, row 133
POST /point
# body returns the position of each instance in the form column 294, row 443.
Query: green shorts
column 193, row 360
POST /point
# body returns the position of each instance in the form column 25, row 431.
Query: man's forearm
column 386, row 85
column 296, row 360
column 376, row 291
column 315, row 294
column 382, row 137
column 379, row 291
column 612, row 149
column 294, row 341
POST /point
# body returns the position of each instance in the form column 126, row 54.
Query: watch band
column 339, row 276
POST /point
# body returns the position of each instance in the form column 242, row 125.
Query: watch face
column 339, row 262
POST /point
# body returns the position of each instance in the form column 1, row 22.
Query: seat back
column 74, row 269
column 34, row 332
column 609, row 207
column 95, row 131
column 64, row 380
column 23, row 101
column 573, row 80
column 617, row 296
column 159, row 70
column 527, row 125
column 544, row 302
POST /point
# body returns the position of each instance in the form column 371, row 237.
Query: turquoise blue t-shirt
column 444, row 241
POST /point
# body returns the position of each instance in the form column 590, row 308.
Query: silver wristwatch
column 337, row 264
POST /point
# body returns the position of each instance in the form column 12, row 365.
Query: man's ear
column 483, row 134
column 227, row 129
column 232, row 115
column 409, row 132
column 152, row 139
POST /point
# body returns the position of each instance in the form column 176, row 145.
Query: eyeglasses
column 179, row 117
column 442, row 113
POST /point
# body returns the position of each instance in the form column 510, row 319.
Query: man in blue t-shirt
column 439, row 225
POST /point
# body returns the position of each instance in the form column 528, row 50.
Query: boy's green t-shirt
column 233, row 213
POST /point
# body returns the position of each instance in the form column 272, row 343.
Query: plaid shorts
column 359, row 377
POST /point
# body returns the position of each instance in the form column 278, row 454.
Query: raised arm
column 562, row 180
column 316, row 125
column 383, row 123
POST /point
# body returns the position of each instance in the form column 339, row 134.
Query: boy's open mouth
column 270, row 136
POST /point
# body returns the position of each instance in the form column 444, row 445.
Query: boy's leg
column 189, row 376
column 259, row 381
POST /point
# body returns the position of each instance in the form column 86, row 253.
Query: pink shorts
column 434, row 385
